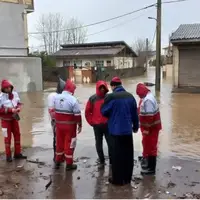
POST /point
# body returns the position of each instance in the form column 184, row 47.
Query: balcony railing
column 28, row 3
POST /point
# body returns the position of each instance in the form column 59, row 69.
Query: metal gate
column 189, row 67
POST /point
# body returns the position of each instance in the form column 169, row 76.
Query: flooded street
column 180, row 116
column 178, row 144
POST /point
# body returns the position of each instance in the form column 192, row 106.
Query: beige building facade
column 186, row 58
column 16, row 6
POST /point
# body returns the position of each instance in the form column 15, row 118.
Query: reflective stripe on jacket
column 67, row 109
column 149, row 114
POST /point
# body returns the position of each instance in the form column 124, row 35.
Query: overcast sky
column 90, row 11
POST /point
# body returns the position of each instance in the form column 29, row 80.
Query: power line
column 154, row 36
column 144, row 8
column 117, row 25
column 174, row 1
column 110, row 19
column 100, row 22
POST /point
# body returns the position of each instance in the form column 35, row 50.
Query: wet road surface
column 179, row 144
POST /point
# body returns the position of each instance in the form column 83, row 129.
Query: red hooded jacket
column 7, row 112
column 93, row 107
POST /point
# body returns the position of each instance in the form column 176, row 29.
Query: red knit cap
column 115, row 81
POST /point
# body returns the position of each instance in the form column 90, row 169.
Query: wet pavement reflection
column 180, row 138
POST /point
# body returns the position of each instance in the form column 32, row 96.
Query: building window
column 77, row 64
column 66, row 63
column 87, row 64
column 108, row 63
column 99, row 63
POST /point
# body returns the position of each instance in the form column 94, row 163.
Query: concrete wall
column 50, row 73
column 12, row 35
column 119, row 62
column 175, row 72
column 24, row 72
column 110, row 72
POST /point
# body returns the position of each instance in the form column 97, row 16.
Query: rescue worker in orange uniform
column 150, row 125
column 68, row 120
column 10, row 106
column 51, row 99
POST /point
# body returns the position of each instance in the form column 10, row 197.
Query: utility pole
column 158, row 46
column 147, row 52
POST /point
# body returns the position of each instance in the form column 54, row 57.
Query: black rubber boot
column 9, row 159
column 71, row 167
column 144, row 163
column 57, row 165
column 110, row 180
column 151, row 170
column 20, row 156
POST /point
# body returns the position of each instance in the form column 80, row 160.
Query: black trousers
column 53, row 124
column 101, row 131
column 122, row 159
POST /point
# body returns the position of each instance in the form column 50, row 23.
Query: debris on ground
column 147, row 195
column 177, row 168
column 140, row 158
column 49, row 183
column 78, row 178
column 168, row 173
column 1, row 193
column 19, row 168
column 83, row 158
column 36, row 162
column 148, row 84
column 134, row 187
column 87, row 166
column 76, row 160
column 190, row 196
column 167, row 192
column 171, row 185
column 135, row 162
column 137, row 180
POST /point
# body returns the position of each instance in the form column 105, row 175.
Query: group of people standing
column 114, row 116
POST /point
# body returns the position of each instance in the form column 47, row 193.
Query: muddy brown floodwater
column 179, row 143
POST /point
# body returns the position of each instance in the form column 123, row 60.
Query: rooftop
column 186, row 33
column 93, row 49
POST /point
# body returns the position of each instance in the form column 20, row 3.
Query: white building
column 101, row 54
column 25, row 72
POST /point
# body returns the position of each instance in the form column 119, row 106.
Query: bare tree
column 74, row 33
column 139, row 46
column 53, row 31
column 48, row 27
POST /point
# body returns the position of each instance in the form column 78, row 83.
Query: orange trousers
column 11, row 127
column 65, row 142
column 149, row 143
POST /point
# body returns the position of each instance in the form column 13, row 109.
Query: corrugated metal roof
column 186, row 32
column 95, row 44
column 88, row 51
column 94, row 49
